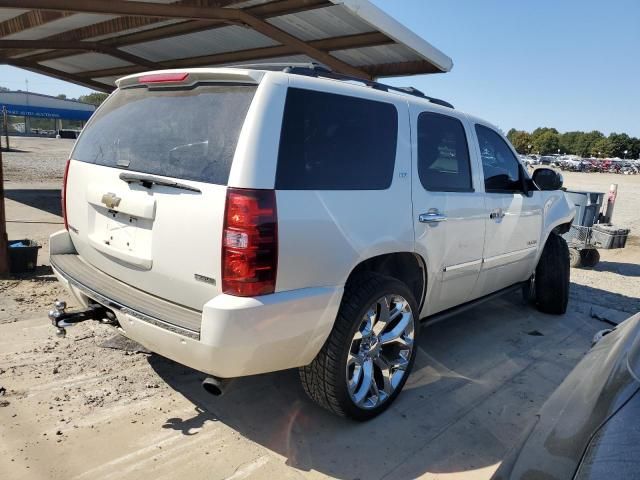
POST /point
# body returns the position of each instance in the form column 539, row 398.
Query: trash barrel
column 23, row 256
column 588, row 206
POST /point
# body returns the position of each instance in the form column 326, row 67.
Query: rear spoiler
column 190, row 77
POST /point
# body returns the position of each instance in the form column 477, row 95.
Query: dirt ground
column 78, row 408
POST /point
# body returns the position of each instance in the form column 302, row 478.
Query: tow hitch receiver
column 61, row 319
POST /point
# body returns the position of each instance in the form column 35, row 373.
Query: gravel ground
column 79, row 408
column 36, row 159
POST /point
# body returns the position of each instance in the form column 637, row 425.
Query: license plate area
column 120, row 231
column 122, row 236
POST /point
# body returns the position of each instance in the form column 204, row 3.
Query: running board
column 438, row 317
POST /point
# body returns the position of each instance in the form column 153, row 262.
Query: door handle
column 432, row 216
column 497, row 214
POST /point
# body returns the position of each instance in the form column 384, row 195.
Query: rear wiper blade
column 148, row 180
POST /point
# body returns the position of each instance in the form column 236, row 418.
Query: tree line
column 546, row 141
column 95, row 98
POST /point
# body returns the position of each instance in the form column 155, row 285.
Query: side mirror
column 547, row 179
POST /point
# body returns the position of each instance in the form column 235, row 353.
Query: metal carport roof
column 94, row 42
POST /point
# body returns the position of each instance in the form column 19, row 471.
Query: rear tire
column 553, row 277
column 369, row 354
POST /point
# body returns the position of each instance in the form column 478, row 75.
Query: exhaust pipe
column 215, row 386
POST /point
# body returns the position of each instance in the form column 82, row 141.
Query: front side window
column 502, row 172
column 443, row 154
column 336, row 142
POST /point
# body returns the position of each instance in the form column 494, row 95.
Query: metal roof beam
column 285, row 7
column 328, row 44
column 51, row 72
column 78, row 46
column 400, row 69
column 27, row 20
column 119, row 7
column 88, row 31
column 119, row 24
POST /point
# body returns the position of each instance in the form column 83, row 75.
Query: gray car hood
column 599, row 385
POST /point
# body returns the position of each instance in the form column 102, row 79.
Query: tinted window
column 443, row 154
column 501, row 167
column 336, row 142
column 188, row 134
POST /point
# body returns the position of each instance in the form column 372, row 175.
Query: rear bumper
column 238, row 336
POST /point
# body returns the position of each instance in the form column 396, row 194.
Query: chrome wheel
column 380, row 351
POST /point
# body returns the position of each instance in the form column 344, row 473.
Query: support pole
column 611, row 202
column 5, row 124
column 4, row 247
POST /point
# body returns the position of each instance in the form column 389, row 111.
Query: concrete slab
column 75, row 410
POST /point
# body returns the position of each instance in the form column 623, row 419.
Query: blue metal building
column 22, row 107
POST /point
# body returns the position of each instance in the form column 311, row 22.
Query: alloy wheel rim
column 380, row 351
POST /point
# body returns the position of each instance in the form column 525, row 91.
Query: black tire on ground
column 553, row 276
column 575, row 259
column 325, row 379
column 589, row 257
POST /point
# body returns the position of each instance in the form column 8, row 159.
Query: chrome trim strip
column 510, row 254
column 107, row 302
column 462, row 265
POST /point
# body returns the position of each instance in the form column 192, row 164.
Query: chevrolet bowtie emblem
column 111, row 200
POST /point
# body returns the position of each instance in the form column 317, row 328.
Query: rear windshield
column 188, row 134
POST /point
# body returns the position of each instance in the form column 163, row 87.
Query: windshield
column 187, row 134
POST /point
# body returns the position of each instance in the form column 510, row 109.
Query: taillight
column 64, row 194
column 163, row 77
column 250, row 243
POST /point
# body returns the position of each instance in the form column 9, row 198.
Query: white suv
column 245, row 220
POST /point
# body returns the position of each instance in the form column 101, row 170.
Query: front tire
column 369, row 354
column 553, row 276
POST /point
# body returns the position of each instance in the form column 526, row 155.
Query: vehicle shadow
column 45, row 199
column 42, row 273
column 626, row 269
column 584, row 297
column 13, row 150
column 478, row 380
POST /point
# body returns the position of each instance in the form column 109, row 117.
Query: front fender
column 556, row 211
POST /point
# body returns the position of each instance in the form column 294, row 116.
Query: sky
column 568, row 64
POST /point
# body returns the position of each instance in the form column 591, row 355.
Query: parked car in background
column 589, row 429
column 243, row 221
column 525, row 160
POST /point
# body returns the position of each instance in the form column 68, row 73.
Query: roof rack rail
column 278, row 66
column 318, row 70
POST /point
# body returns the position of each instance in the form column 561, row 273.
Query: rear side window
column 336, row 142
column 188, row 134
column 443, row 154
